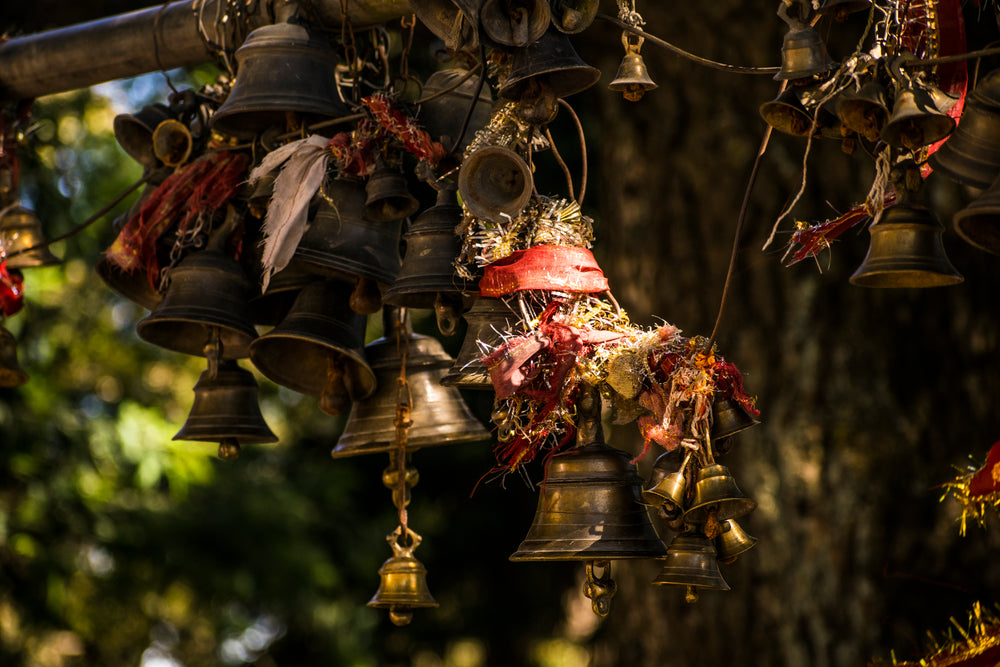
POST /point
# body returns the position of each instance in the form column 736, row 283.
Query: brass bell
column 668, row 490
column 455, row 22
column 388, row 199
column 172, row 142
column 866, row 111
column 487, row 320
column 573, row 16
column 444, row 115
column 840, row 9
column 282, row 68
column 729, row 417
column 716, row 492
column 549, row 66
column 971, row 156
column 632, row 79
column 403, row 581
column 495, row 183
column 518, row 23
column 11, row 373
column 906, row 250
column 979, row 222
column 134, row 285
column 21, row 229
column 786, row 114
column 272, row 306
column 225, row 410
column 589, row 506
column 134, row 132
column 318, row 348
column 691, row 561
column 733, row 542
column 915, row 121
column 438, row 415
column 803, row 52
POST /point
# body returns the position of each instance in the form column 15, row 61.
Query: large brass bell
column 866, row 111
column 915, row 121
column 388, row 199
column 906, row 250
column 803, row 52
column 443, row 115
column 632, row 79
column 691, row 561
column 786, row 114
column 318, row 348
column 403, row 581
column 495, row 183
column 487, row 320
column 979, row 222
column 729, row 417
column 516, row 23
column 11, row 373
column 550, row 66
column 573, row 16
column 134, row 132
column 971, row 156
column 716, row 493
column 225, row 410
column 733, row 542
column 667, row 489
column 283, row 68
column 438, row 415
column 21, row 230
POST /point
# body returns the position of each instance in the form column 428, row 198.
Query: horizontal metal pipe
column 161, row 37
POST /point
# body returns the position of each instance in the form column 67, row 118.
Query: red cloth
column 987, row 479
column 11, row 290
column 544, row 267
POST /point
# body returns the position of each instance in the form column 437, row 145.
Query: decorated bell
column 971, row 156
column 515, row 23
column 716, row 492
column 488, row 321
column 11, row 373
column 444, row 115
column 589, row 505
column 632, row 80
column 866, row 111
column 283, row 68
column 667, row 490
column 733, row 542
column 403, row 583
column 786, row 114
column 20, row 230
column 134, row 132
column 979, row 222
column 388, row 199
column 915, row 121
column 691, row 561
column 318, row 348
column 438, row 415
column 803, row 52
column 573, row 16
column 495, row 183
column 729, row 417
column 549, row 67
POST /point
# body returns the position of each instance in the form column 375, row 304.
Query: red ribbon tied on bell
column 544, row 267
column 11, row 290
column 986, row 480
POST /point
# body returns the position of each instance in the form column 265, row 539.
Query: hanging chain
column 404, row 404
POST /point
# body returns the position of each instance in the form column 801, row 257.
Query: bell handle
column 395, row 543
column 632, row 42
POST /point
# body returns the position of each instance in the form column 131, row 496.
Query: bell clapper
column 400, row 615
column 391, row 476
column 691, row 595
column 229, row 449
column 600, row 589
column 334, row 399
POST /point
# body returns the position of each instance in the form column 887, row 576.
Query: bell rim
column 361, row 373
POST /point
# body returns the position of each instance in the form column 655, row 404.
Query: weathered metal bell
column 866, row 111
column 786, row 114
column 691, row 561
column 456, row 23
column 915, row 121
column 487, row 320
column 495, row 183
column 550, row 65
column 283, row 68
column 438, row 414
column 667, row 489
column 803, row 53
column 979, row 222
column 133, row 286
column 318, row 348
column 516, row 23
column 729, row 417
column 403, row 582
column 172, row 142
column 134, row 132
column 633, row 79
column 270, row 307
column 443, row 115
column 971, row 156
column 388, row 199
column 225, row 410
column 840, row 9
column 21, row 229
column 573, row 16
column 589, row 506
column 733, row 542
column 11, row 373
column 716, row 492
column 906, row 250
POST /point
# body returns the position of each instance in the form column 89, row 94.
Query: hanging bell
column 841, row 9
column 589, row 506
column 21, row 229
column 270, row 307
column 573, row 16
column 716, row 492
column 979, row 222
column 134, row 132
column 134, row 285
column 172, row 142
column 866, row 111
column 667, row 490
column 282, row 68
column 454, row 22
column 632, row 79
column 906, row 250
column 489, row 320
column 516, row 23
column 11, row 373
column 403, row 581
column 733, row 542
column 388, row 199
column 803, row 52
column 915, row 121
column 443, row 115
column 729, row 417
column 317, row 349
column 495, row 183
column 691, row 561
column 971, row 156
column 225, row 410
column 438, row 415
column 786, row 114
column 549, row 66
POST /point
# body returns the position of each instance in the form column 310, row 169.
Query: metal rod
column 123, row 46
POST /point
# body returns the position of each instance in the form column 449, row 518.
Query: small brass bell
column 716, row 492
column 487, row 320
column 172, row 142
column 552, row 65
column 865, row 112
column 729, row 417
column 574, row 16
column 134, row 132
column 11, row 373
column 516, row 23
column 971, row 156
column 803, row 52
column 668, row 490
column 403, row 581
column 21, row 229
column 979, row 222
column 915, row 121
column 388, row 199
column 632, row 79
column 444, row 115
column 691, row 561
column 733, row 542
column 786, row 114
column 495, row 183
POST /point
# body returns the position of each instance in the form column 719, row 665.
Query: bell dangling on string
column 516, row 23
column 438, row 415
column 134, row 132
column 729, row 417
column 283, row 68
column 866, row 111
column 667, row 489
column 971, row 156
column 632, row 80
column 573, row 16
column 691, row 561
column 495, row 183
column 11, row 373
column 915, row 121
column 716, row 493
column 803, row 52
column 388, row 199
column 318, row 348
column 20, row 230
column 444, row 115
column 733, row 542
column 487, row 320
column 786, row 114
column 403, row 581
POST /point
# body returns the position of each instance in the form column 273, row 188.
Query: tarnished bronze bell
column 971, row 156
column 318, row 348
column 573, row 16
column 134, row 132
column 270, row 307
column 495, row 183
column 20, row 230
column 438, row 415
column 550, row 66
column 516, row 23
column 691, row 561
column 444, row 115
column 667, row 487
column 11, row 373
column 803, row 52
column 733, row 542
column 841, row 9
column 729, row 417
column 979, row 222
column 455, row 22
column 632, row 80
column 786, row 114
column 716, row 492
column 388, row 199
column 172, row 142
column 915, row 121
column 487, row 320
column 403, row 582
column 589, row 506
column 283, row 68
column 906, row 250
column 866, row 111
column 225, row 409
column 134, row 285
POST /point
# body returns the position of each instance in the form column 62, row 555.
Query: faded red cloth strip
column 11, row 291
column 544, row 267
column 987, row 479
